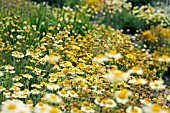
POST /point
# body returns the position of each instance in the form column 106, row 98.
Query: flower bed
column 55, row 60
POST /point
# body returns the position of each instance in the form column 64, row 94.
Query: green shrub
column 123, row 20
column 144, row 2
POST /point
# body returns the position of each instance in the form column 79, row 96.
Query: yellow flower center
column 136, row 68
column 27, row 75
column 122, row 94
column 12, row 106
column 164, row 57
column 72, row 92
column 109, row 102
column 6, row 91
column 14, row 87
column 100, row 56
column 52, row 78
column 112, row 52
column 54, row 110
column 82, row 84
column 17, row 77
column 52, row 75
column 147, row 101
column 85, row 103
column 75, row 110
column 40, row 104
column 138, row 81
column 1, row 87
column 66, row 70
column 52, row 56
column 35, row 90
column 67, row 85
column 156, row 108
column 22, row 112
column 25, row 90
column 43, row 108
column 63, row 92
column 87, row 108
column 29, row 102
column 53, row 96
column 134, row 110
column 59, row 73
column 156, row 84
column 104, row 101
column 118, row 74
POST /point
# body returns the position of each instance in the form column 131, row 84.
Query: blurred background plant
column 122, row 15
column 128, row 15
column 145, row 2
column 151, row 16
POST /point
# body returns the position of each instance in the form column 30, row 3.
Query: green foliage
column 123, row 20
column 59, row 3
column 144, row 2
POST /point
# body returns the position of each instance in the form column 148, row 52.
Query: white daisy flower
column 116, row 75
column 52, row 86
column 19, row 36
column 110, row 103
column 134, row 109
column 72, row 93
column 63, row 93
column 138, row 81
column 155, row 108
column 27, row 76
column 100, row 58
column 14, row 106
column 157, row 85
column 53, row 98
column 136, row 70
column 146, row 101
column 164, row 58
column 35, row 91
column 122, row 96
column 52, row 57
column 87, row 109
column 113, row 54
column 41, row 108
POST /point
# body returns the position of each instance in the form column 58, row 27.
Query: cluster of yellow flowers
column 157, row 34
